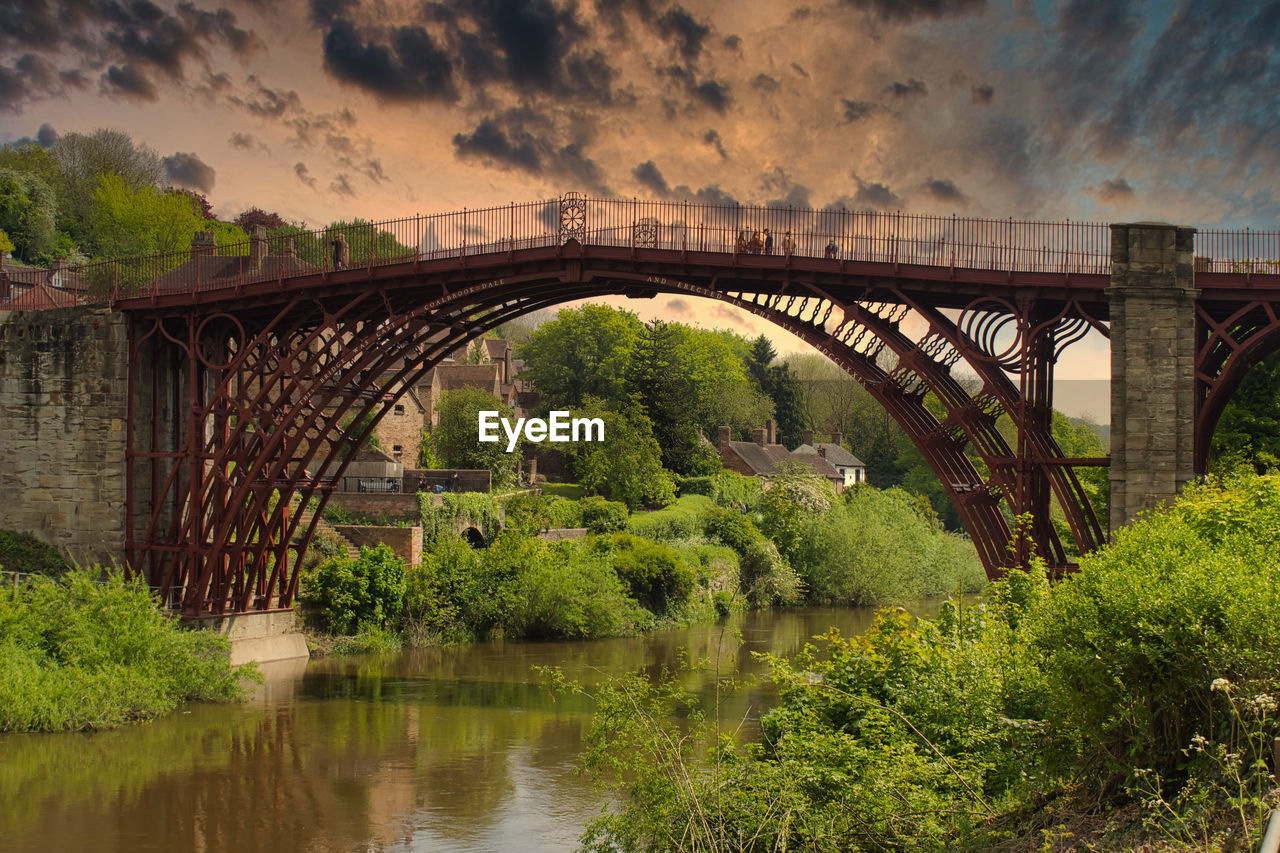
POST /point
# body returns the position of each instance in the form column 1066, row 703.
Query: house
column 852, row 469
column 761, row 456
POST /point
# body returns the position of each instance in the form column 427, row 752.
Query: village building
column 852, row 470
column 761, row 456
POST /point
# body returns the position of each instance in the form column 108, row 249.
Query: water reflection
column 454, row 749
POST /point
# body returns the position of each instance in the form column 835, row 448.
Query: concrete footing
column 260, row 637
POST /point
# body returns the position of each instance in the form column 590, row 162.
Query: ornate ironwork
column 573, row 218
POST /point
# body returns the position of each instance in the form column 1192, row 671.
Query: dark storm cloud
column 265, row 102
column 137, row 42
column 128, row 81
column 30, row 73
column 711, row 194
column 780, row 190
column 408, row 66
column 712, row 138
column 913, row 88
column 1113, row 191
column 46, row 135
column 685, row 31
column 713, row 93
column 858, row 110
column 874, row 194
column 650, row 177
column 188, row 170
column 526, row 140
column 304, row 174
column 983, row 94
column 944, row 190
column 911, row 10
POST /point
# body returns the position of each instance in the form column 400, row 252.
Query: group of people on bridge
column 762, row 244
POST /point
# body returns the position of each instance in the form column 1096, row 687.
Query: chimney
column 807, row 436
column 288, row 247
column 772, row 427
column 822, row 451
column 759, row 434
column 722, row 437
column 257, row 246
column 837, row 439
column 203, row 243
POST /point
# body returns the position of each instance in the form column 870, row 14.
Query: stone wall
column 63, row 409
column 391, row 504
column 405, row 541
column 1152, row 366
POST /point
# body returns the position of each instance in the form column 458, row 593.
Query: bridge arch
column 278, row 399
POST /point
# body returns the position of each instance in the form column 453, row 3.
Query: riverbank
column 1131, row 706
column 92, row 651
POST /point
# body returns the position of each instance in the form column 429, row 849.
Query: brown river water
column 443, row 749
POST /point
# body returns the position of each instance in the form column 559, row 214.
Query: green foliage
column 28, row 215
column 93, row 651
column 733, row 489
column 584, row 352
column 1148, row 677
column 678, row 521
column 878, row 547
column 732, row 528
column 456, row 511
column 356, row 595
column 765, row 575
column 22, row 552
column 1249, row 429
column 566, row 591
column 83, row 160
column 455, row 440
column 656, row 575
column 627, row 465
column 603, row 516
column 1135, row 640
column 697, row 486
column 527, row 513
column 796, row 494
column 6, row 245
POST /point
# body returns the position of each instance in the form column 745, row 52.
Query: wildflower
column 1220, row 684
column 1263, row 703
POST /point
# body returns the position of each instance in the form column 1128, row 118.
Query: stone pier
column 1152, row 365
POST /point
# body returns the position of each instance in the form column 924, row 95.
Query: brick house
column 760, row 456
column 851, row 469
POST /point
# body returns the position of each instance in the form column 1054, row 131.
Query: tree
column 627, row 465
column 788, row 405
column 762, row 354
column 256, row 216
column 28, row 215
column 144, row 221
column 584, row 352
column 6, row 245
column 1249, row 429
column 455, row 440
column 84, row 159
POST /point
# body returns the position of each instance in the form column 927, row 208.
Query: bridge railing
column 873, row 236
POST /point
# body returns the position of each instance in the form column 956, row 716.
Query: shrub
column 731, row 527
column 527, row 513
column 21, row 552
column 678, row 521
column 352, row 595
column 569, row 592
column 564, row 512
column 603, row 516
column 87, row 653
column 654, row 573
column 455, row 511
column 698, row 486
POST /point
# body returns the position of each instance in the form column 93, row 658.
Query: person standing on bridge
column 754, row 244
column 768, row 242
column 341, row 253
column 740, row 247
column 831, row 249
column 788, row 244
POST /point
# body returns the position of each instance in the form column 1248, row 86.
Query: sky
column 323, row 109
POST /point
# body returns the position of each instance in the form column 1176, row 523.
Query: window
column 399, row 409
column 396, row 450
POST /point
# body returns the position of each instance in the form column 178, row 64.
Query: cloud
column 874, row 194
column 31, row 77
column 944, row 190
column 265, row 102
column 687, row 32
column 858, row 110
column 712, row 138
column 649, row 177
column 678, row 305
column 904, row 11
column 342, row 186
column 983, row 94
column 913, row 88
column 1113, row 191
column 372, row 169
column 246, row 142
column 408, row 66
column 526, row 140
column 188, row 170
column 128, row 81
column 765, row 83
column 304, row 174
column 724, row 312
column 713, row 93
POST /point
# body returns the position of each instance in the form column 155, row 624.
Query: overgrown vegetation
column 92, row 651
column 22, row 552
column 1130, row 706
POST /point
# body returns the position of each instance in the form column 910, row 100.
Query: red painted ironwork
column 256, row 369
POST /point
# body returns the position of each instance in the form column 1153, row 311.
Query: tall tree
column 28, row 214
column 1249, row 429
column 584, row 352
column 762, row 355
column 788, row 405
column 84, row 159
column 627, row 465
column 455, row 440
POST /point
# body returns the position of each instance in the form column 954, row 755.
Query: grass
column 570, row 491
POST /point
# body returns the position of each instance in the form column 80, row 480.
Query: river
column 444, row 749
